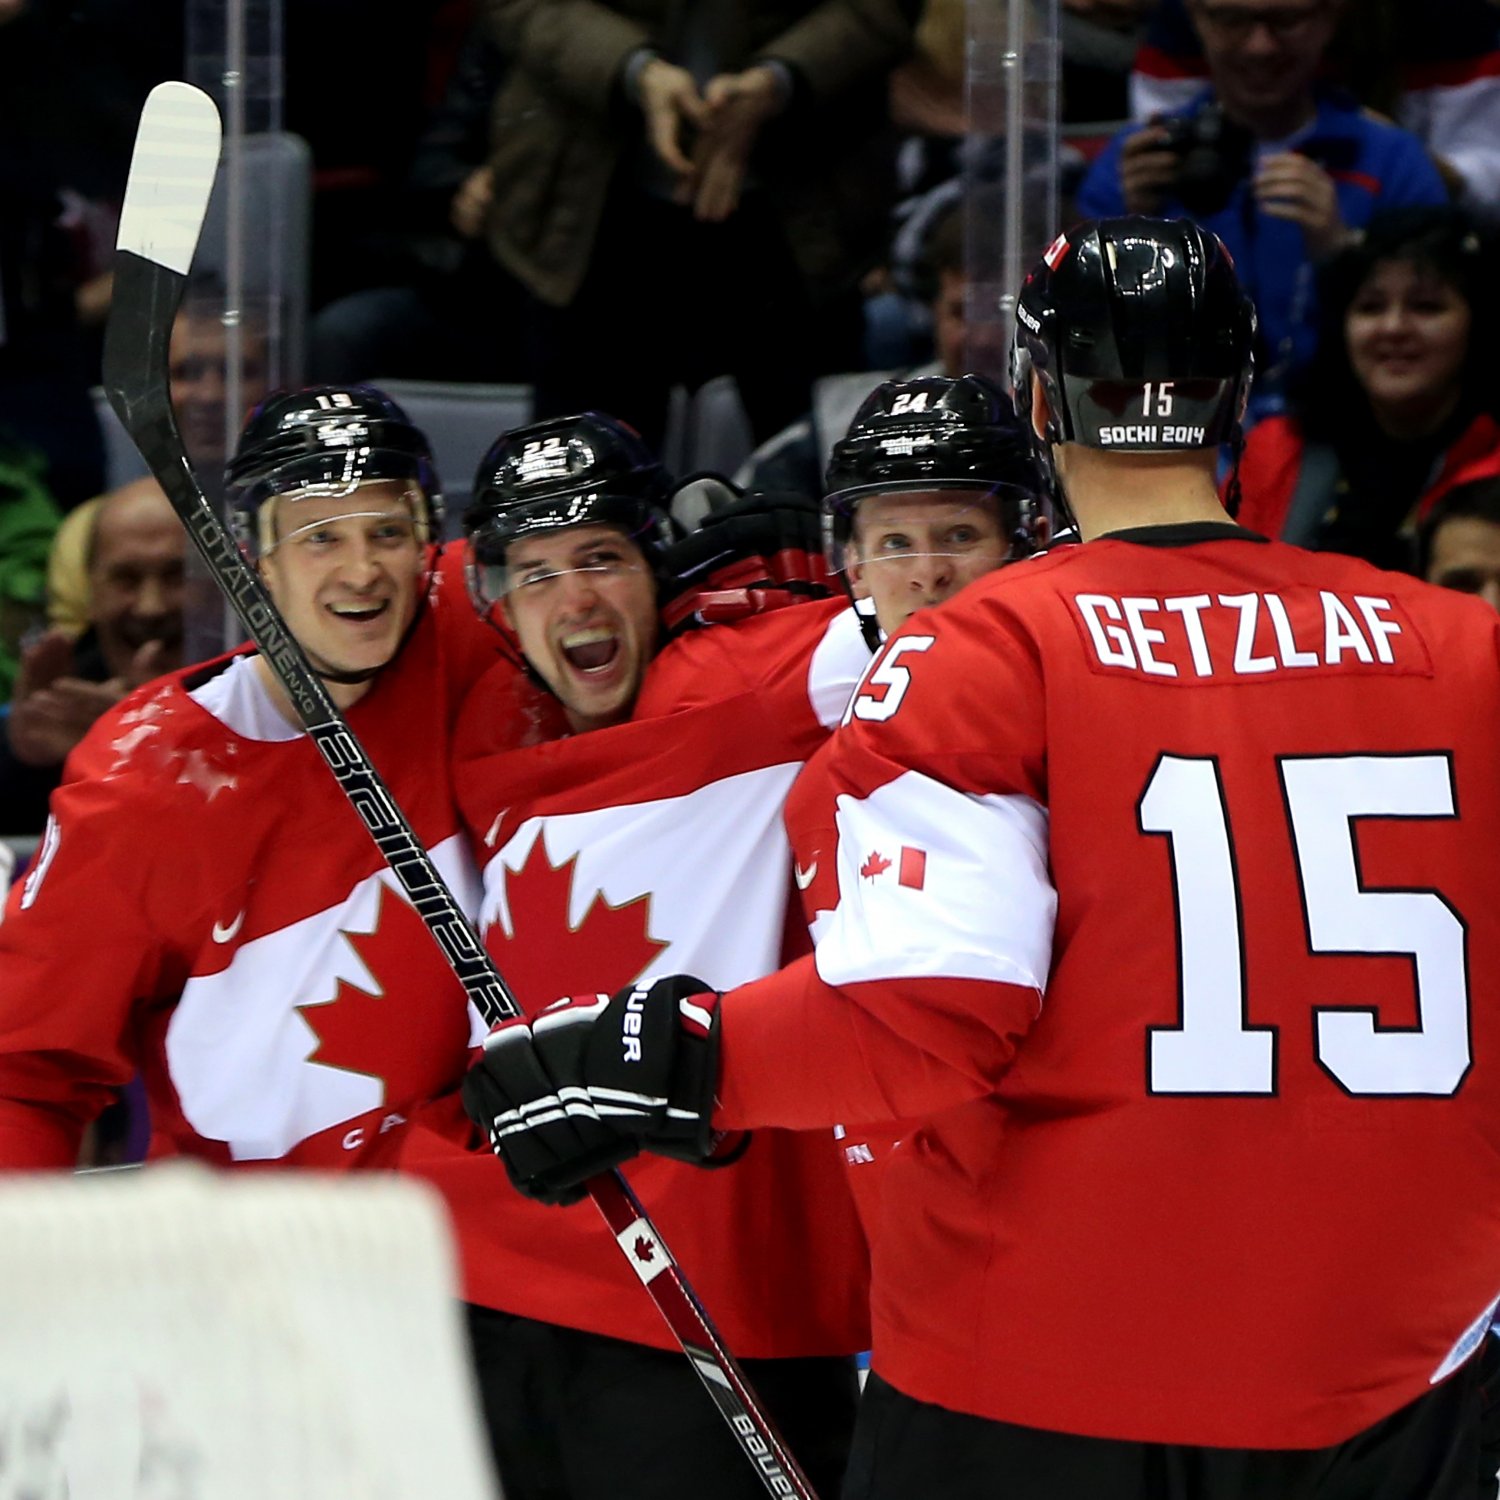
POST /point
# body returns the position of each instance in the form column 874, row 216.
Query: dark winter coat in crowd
column 561, row 125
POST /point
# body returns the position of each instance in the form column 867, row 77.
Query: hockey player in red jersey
column 206, row 908
column 654, row 841
column 629, row 814
column 1159, row 886
column 933, row 485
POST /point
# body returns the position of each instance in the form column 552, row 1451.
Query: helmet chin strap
column 1057, row 494
column 1232, row 495
column 869, row 626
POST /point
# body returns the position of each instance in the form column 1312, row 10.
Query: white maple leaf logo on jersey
column 267, row 1051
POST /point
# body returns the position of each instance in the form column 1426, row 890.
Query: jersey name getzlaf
column 1246, row 635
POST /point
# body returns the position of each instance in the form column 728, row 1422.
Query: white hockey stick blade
column 171, row 175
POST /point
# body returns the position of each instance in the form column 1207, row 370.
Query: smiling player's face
column 345, row 571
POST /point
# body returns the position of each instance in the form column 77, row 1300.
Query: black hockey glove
column 760, row 552
column 535, row 1113
column 593, row 1080
column 652, row 1065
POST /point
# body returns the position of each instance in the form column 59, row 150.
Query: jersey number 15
column 1216, row 1049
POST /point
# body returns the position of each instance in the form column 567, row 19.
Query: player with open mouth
column 583, row 604
column 204, row 810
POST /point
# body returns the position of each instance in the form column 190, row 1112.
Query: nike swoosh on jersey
column 224, row 934
column 805, row 877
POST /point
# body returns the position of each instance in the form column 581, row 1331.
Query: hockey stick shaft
column 165, row 200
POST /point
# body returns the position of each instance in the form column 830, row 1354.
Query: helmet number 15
column 1163, row 398
column 1216, row 1047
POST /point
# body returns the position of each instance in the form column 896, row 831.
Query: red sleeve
column 33, row 1137
column 1268, row 475
column 701, row 667
column 505, row 710
column 79, row 954
column 771, row 654
column 470, row 646
column 800, row 1054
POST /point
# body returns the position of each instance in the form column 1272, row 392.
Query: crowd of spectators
column 1282, row 167
column 606, row 201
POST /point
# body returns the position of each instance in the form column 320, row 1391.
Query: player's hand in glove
column 652, row 1065
column 538, row 1118
column 593, row 1081
column 749, row 554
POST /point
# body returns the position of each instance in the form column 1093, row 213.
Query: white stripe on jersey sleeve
column 985, row 908
column 838, row 664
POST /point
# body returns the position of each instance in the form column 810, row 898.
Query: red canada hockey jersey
column 1232, row 808
column 208, row 909
column 652, row 848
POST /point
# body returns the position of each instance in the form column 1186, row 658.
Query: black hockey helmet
column 931, row 432
column 584, row 470
column 1141, row 334
column 326, row 440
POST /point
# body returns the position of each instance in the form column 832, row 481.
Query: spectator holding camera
column 1399, row 404
column 1283, row 169
column 1430, row 68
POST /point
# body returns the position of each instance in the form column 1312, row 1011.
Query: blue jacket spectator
column 1373, row 166
column 1434, row 69
column 1282, row 168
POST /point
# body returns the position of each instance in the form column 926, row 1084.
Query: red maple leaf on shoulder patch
column 545, row 956
column 643, row 1249
column 875, row 864
column 410, row 1027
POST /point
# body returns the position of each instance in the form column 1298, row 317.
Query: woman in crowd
column 1399, row 397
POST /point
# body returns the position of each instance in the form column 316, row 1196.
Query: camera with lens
column 1213, row 156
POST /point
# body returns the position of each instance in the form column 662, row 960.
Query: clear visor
column 540, row 564
column 322, row 488
column 395, row 509
column 912, row 529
